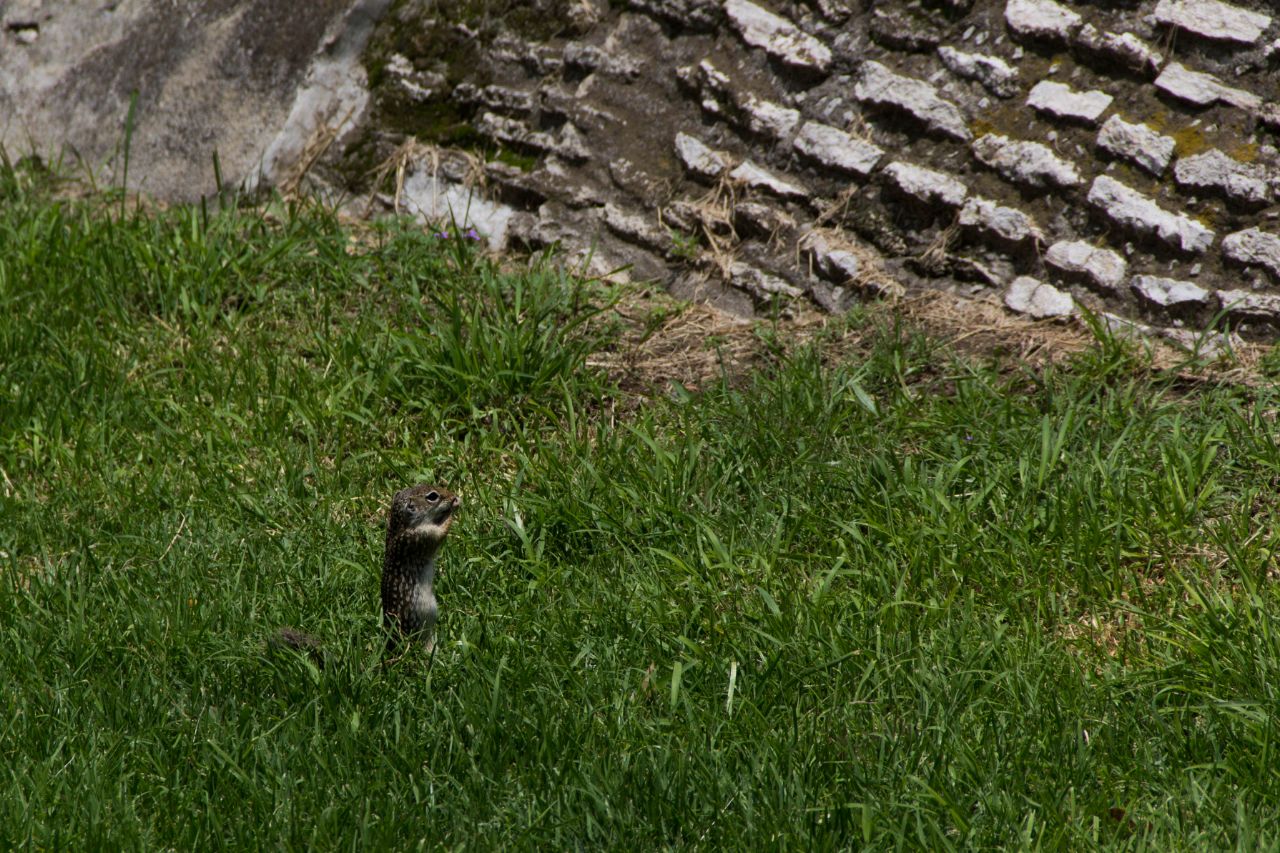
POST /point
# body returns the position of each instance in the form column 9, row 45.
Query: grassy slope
column 907, row 600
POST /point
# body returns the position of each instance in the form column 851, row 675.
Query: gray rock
column 1041, row 19
column 430, row 198
column 879, row 86
column 636, row 228
column 837, row 262
column 1213, row 20
column 1030, row 296
column 1005, row 224
column 1027, row 163
column 1250, row 305
column 1124, row 49
column 777, row 36
column 926, row 185
column 902, row 31
column 1202, row 89
column 1169, row 292
column 991, row 71
column 753, row 218
column 761, row 285
column 417, row 85
column 1214, row 170
column 1136, row 143
column 835, row 148
column 502, row 99
column 566, row 142
column 1123, row 327
column 706, row 77
column 589, row 58
column 767, row 118
column 695, row 15
column 1254, row 248
column 754, row 176
column 1131, row 210
column 1270, row 116
column 699, row 159
column 1102, row 268
column 1206, row 344
column 1062, row 101
column 837, row 265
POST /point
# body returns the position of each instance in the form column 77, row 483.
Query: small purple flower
column 472, row 235
column 442, row 235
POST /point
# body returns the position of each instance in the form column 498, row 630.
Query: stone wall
column 1120, row 156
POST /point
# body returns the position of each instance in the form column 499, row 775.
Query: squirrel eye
column 433, row 497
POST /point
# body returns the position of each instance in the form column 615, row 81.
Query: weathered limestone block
column 706, row 77
column 1249, row 305
column 566, row 142
column 1027, row 163
column 1124, row 49
column 635, row 228
column 991, row 71
column 1270, row 116
column 839, row 266
column 502, row 99
column 777, row 36
column 540, row 59
column 695, row 15
column 767, row 118
column 754, row 176
column 432, row 197
column 1136, row 143
column 698, row 159
column 1006, row 225
column 1030, row 296
column 589, row 58
column 879, row 86
column 1041, row 19
column 1206, row 344
column 1169, row 292
column 1203, row 90
column 750, row 217
column 760, row 284
column 1254, row 248
column 1061, row 101
column 835, row 260
column 925, row 185
column 1214, row 170
column 1132, row 210
column 838, row 150
column 899, row 31
column 1102, row 268
column 1213, row 20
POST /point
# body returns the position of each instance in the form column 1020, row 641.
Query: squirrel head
column 422, row 512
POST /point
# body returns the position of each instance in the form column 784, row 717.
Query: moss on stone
column 444, row 38
column 1245, row 152
column 1188, row 141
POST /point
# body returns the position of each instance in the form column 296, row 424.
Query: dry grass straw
column 412, row 152
column 317, row 144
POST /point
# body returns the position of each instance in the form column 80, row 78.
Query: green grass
column 905, row 600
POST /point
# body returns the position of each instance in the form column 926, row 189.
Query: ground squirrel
column 417, row 522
